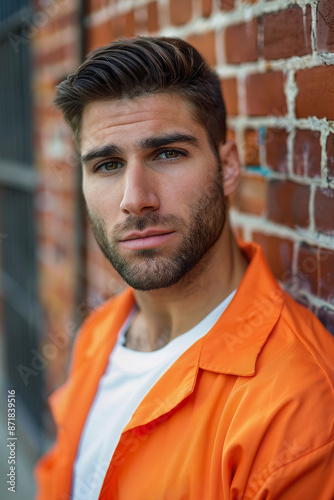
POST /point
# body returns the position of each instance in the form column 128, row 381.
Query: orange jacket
column 246, row 413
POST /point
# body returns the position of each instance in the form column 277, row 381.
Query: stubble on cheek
column 149, row 269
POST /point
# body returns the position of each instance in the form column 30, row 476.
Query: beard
column 148, row 269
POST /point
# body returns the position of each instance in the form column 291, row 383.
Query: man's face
column 153, row 187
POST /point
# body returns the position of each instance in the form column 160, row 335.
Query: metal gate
column 20, row 325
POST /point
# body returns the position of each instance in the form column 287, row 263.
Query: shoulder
column 285, row 413
column 294, row 381
column 308, row 342
column 299, row 355
column 298, row 343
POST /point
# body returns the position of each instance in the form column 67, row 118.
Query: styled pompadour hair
column 144, row 66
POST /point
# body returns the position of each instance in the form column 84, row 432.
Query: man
column 203, row 380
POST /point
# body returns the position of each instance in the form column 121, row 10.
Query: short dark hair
column 143, row 66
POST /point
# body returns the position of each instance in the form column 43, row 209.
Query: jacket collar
column 234, row 343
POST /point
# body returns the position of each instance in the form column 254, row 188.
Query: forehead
column 130, row 120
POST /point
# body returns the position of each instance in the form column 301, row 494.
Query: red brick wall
column 53, row 33
column 276, row 63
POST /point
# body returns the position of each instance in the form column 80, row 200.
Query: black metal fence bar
column 18, row 278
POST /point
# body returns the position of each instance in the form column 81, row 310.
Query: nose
column 139, row 190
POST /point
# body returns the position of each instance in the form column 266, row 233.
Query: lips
column 151, row 238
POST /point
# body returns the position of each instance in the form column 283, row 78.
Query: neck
column 169, row 312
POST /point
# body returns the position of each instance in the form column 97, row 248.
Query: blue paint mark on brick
column 259, row 170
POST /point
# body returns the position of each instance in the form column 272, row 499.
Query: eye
column 109, row 166
column 170, row 154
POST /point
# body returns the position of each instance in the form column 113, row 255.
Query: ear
column 230, row 161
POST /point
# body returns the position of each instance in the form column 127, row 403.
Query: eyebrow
column 145, row 144
column 165, row 140
column 101, row 152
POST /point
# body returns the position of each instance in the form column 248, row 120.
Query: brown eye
column 109, row 166
column 170, row 154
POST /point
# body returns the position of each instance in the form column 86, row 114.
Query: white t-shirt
column 128, row 378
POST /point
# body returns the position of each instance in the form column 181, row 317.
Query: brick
column 68, row 19
column 251, row 151
column 326, row 316
column 315, row 92
column 53, row 56
column 123, row 26
column 241, row 42
column 230, row 94
column 288, row 203
column 52, row 24
column 205, row 44
column 251, row 194
column 276, row 149
column 230, row 135
column 326, row 276
column 325, row 26
column 55, row 21
column 287, row 33
column 315, row 271
column 225, row 4
column 152, row 13
column 330, row 155
column 307, row 153
column 307, row 269
column 265, row 94
column 180, row 11
column 279, row 254
column 324, row 210
column 206, row 6
column 130, row 24
column 140, row 16
column 92, row 6
column 100, row 35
